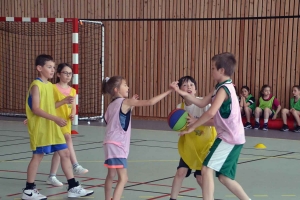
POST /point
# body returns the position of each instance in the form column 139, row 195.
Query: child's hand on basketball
column 190, row 120
column 60, row 122
column 25, row 121
column 135, row 96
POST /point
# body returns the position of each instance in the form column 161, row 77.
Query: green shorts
column 223, row 157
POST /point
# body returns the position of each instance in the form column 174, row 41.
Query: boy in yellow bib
column 192, row 147
column 44, row 131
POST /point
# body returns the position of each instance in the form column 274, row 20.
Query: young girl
column 295, row 110
column 267, row 105
column 66, row 109
column 247, row 105
column 117, row 135
column 190, row 146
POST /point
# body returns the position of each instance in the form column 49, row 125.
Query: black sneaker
column 285, row 128
column 297, row 129
column 265, row 127
column 247, row 125
column 256, row 126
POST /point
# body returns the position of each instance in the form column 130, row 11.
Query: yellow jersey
column 65, row 110
column 193, row 147
column 42, row 131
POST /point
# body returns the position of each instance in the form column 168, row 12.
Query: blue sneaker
column 265, row 127
column 256, row 126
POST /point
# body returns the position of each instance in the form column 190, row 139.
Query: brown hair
column 297, row 86
column 261, row 93
column 226, row 61
column 109, row 84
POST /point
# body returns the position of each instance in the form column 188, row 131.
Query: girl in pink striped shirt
column 117, row 135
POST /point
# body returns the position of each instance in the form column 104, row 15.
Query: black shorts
column 271, row 116
column 183, row 164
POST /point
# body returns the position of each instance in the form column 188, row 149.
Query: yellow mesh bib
column 193, row 147
column 65, row 110
column 43, row 132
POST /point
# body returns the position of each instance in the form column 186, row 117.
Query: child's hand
column 25, row 121
column 292, row 110
column 174, row 86
column 191, row 120
column 72, row 116
column 135, row 96
column 60, row 122
column 189, row 130
column 68, row 100
column 274, row 117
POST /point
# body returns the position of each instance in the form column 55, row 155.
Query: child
column 187, row 150
column 66, row 109
column 247, row 105
column 267, row 104
column 224, row 153
column 44, row 131
column 117, row 135
column 295, row 110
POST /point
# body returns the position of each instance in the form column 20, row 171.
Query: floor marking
column 260, row 195
column 288, row 195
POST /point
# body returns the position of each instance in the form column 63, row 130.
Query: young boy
column 44, row 131
column 224, row 153
column 190, row 146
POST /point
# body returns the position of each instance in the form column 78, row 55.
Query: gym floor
column 270, row 173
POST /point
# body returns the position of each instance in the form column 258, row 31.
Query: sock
column 75, row 165
column 72, row 183
column 266, row 121
column 29, row 186
column 51, row 175
column 257, row 120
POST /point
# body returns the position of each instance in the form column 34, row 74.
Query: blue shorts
column 50, row 149
column 116, row 163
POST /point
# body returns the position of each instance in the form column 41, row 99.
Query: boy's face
column 296, row 92
column 216, row 73
column 124, row 89
column 189, row 87
column 47, row 71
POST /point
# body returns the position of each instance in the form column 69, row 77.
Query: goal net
column 67, row 40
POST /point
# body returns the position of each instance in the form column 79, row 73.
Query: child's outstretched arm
column 35, row 95
column 198, row 102
column 129, row 103
column 215, row 106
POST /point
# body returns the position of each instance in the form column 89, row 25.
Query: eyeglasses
column 67, row 73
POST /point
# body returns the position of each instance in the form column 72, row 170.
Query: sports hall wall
column 153, row 42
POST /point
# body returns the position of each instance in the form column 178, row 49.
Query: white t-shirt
column 194, row 110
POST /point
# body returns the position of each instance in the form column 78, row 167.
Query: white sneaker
column 79, row 170
column 54, row 181
column 32, row 195
column 79, row 192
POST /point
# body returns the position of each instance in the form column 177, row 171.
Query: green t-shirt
column 295, row 105
column 250, row 99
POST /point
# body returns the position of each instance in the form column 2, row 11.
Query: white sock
column 257, row 120
column 266, row 121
